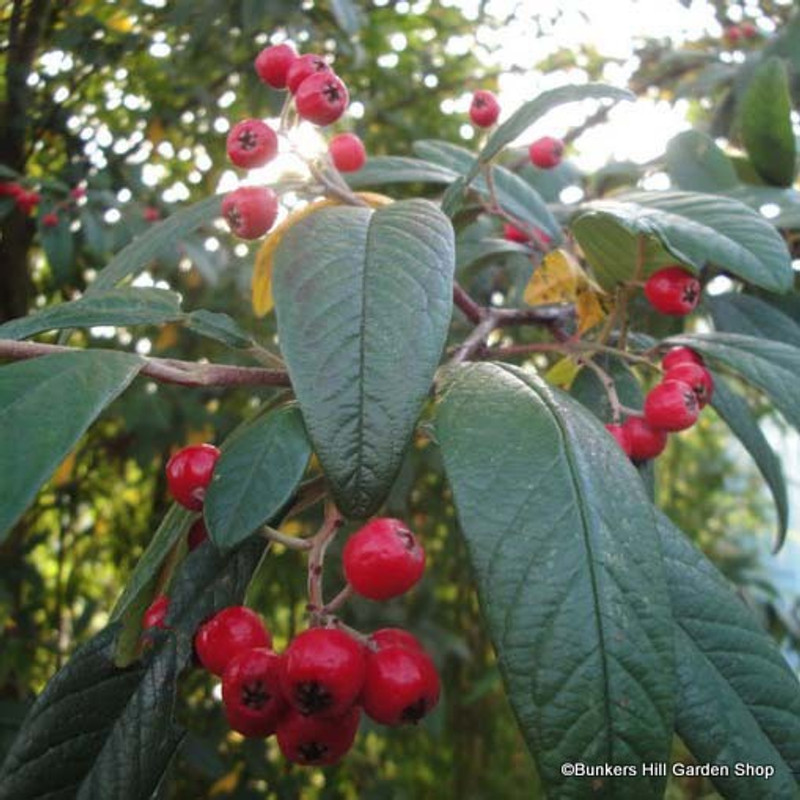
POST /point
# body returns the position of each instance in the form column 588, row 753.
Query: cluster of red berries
column 24, row 199
column 311, row 695
column 321, row 97
column 673, row 405
column 735, row 33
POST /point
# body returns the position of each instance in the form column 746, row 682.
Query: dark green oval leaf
column 220, row 327
column 696, row 164
column 397, row 169
column 743, row 313
column 59, row 247
column 256, row 475
column 570, row 581
column 363, row 301
column 46, row 404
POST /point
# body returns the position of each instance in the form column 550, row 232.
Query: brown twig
column 316, row 559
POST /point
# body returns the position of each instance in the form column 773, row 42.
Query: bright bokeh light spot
column 719, row 285
column 112, row 216
column 657, row 182
column 160, row 50
column 769, row 210
column 143, row 347
column 571, row 194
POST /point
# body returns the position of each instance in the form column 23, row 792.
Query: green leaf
column 46, row 404
column 220, row 327
column 347, row 16
column 101, row 731
column 471, row 251
column 531, row 111
column 570, row 582
column 694, row 229
column 765, row 122
column 738, row 701
column 363, row 301
column 743, row 313
column 735, row 411
column 159, row 237
column 773, row 367
column 59, row 248
column 588, row 389
column 696, row 164
column 256, row 475
column 787, row 201
column 117, row 307
column 380, row 170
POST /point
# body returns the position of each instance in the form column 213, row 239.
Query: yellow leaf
column 64, row 471
column 167, row 338
column 227, row 783
column 262, row 267
column 562, row 373
column 588, row 309
column 120, row 22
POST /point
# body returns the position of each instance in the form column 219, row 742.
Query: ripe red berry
column 302, row 68
column 620, row 433
column 671, row 406
column 156, row 613
column 50, row 220
column 228, row 633
column 394, row 637
column 27, row 201
column 10, row 189
column 673, row 291
column 347, row 152
column 733, row 34
column 323, row 672
column 198, row 533
column 272, row 64
column 251, row 143
column 749, row 30
column 151, row 214
column 513, row 234
column 250, row 211
column 316, row 741
column 697, row 376
column 321, row 98
column 251, row 692
column 546, row 152
column 383, row 559
column 645, row 441
column 401, row 685
column 189, row 473
column 484, row 109
column 77, row 193
column 681, row 355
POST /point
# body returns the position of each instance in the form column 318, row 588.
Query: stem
column 334, row 605
column 608, row 384
column 332, row 522
column 472, row 311
column 476, row 340
column 292, row 542
column 332, row 188
column 310, row 493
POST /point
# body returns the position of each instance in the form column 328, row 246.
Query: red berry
column 347, row 152
column 272, row 64
column 27, row 201
column 645, row 441
column 252, row 143
column 484, row 109
column 401, row 685
column 302, row 68
column 673, row 291
column 698, row 377
column 383, row 559
column 321, row 98
column 250, row 211
column 681, row 355
column 77, row 193
column 394, row 637
column 546, row 152
column 156, row 613
column 151, row 214
column 10, row 189
column 228, row 633
column 315, row 741
column 189, row 473
column 50, row 220
column 733, row 34
column 198, row 533
column 749, row 31
column 323, row 672
column 513, row 234
column 620, row 433
column 671, row 406
column 251, row 692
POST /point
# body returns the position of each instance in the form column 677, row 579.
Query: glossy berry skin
column 347, row 152
column 671, row 406
column 156, row 613
column 644, row 440
column 484, row 109
column 401, row 686
column 733, row 34
column 229, row 632
column 681, row 355
column 50, row 220
column 620, row 433
column 189, row 472
column 323, row 672
column 321, row 98
column 251, row 143
column 546, row 152
column 251, row 692
column 673, row 291
column 317, row 741
column 749, row 30
column 250, row 211
column 383, row 559
column 272, row 64
column 394, row 637
column 303, row 67
column 198, row 533
column 698, row 377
